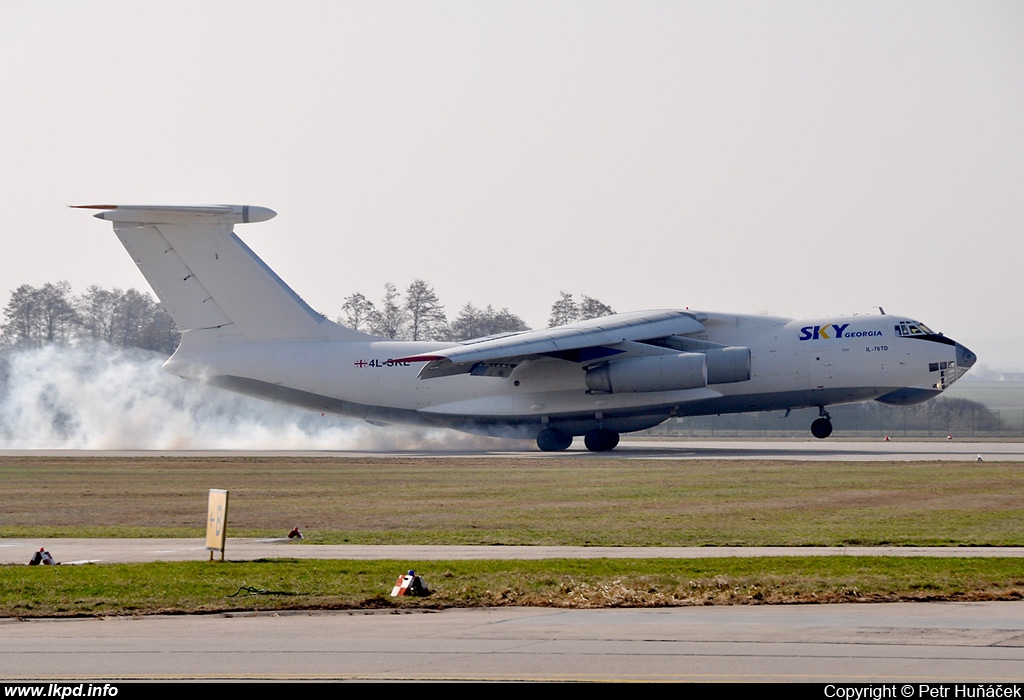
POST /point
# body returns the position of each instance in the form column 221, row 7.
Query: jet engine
column 728, row 365
column 686, row 370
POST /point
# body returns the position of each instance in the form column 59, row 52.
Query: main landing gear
column 553, row 440
column 596, row 440
column 821, row 428
column 601, row 440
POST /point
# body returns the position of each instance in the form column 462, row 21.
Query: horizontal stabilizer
column 223, row 213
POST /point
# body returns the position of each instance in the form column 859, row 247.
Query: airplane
column 244, row 329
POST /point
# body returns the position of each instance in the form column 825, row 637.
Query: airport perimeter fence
column 974, row 424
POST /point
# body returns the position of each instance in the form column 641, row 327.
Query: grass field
column 288, row 584
column 578, row 500
column 993, row 394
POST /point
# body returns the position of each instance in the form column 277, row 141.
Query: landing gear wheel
column 821, row 428
column 552, row 440
column 600, row 440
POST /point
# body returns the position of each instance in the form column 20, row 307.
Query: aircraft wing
column 587, row 342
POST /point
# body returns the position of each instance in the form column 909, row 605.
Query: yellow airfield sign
column 217, row 521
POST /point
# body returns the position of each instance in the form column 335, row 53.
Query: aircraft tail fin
column 208, row 279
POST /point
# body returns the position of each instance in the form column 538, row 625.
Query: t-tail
column 216, row 289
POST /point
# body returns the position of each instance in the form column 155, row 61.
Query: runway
column 896, row 449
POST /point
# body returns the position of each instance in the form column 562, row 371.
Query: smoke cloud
column 99, row 397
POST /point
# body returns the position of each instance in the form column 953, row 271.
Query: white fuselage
column 794, row 363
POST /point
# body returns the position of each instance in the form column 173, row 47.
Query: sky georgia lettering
column 834, row 330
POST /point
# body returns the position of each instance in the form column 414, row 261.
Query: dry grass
column 574, row 500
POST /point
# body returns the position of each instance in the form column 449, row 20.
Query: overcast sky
column 798, row 158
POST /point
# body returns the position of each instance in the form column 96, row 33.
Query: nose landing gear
column 821, row 428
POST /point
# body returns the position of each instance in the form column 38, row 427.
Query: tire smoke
column 94, row 396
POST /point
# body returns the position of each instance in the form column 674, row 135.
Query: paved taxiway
column 112, row 551
column 892, row 643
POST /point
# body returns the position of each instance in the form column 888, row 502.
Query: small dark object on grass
column 42, row 557
column 410, row 584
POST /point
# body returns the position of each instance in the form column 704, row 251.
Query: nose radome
column 964, row 357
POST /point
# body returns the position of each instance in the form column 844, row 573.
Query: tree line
column 52, row 314
column 420, row 315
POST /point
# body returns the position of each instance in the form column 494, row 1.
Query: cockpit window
column 912, row 328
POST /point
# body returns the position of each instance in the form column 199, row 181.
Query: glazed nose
column 964, row 357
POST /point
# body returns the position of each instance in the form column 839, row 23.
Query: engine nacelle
column 728, row 365
column 688, row 370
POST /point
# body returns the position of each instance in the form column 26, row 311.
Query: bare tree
column 130, row 315
column 36, row 316
column 358, row 312
column 477, row 323
column 59, row 317
column 563, row 311
column 142, row 323
column 389, row 320
column 20, row 317
column 159, row 332
column 567, row 310
column 427, row 320
column 593, row 308
column 126, row 319
column 96, row 310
